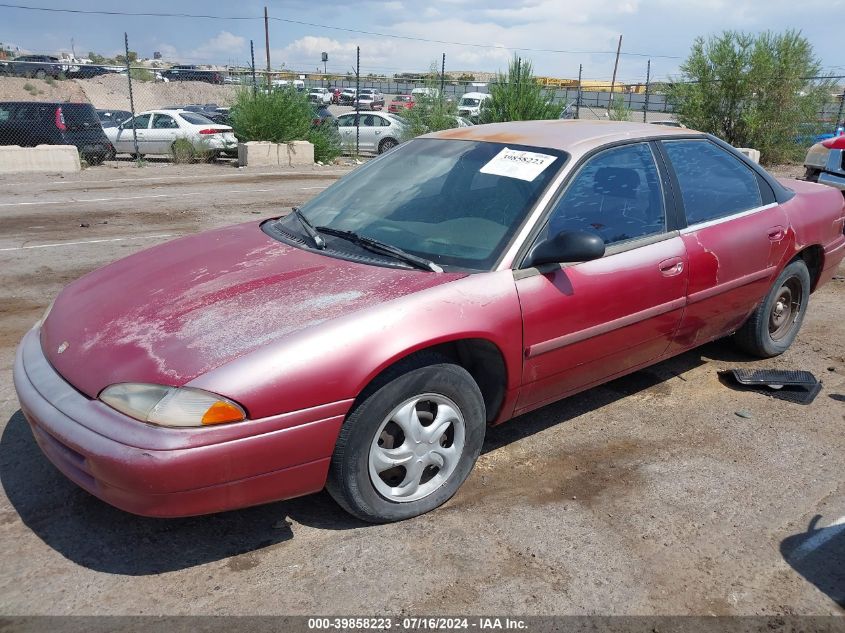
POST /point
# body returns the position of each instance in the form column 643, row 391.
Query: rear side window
column 163, row 122
column 194, row 118
column 713, row 183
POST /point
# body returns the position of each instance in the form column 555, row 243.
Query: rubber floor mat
column 799, row 387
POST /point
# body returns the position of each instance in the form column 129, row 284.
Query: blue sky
column 662, row 29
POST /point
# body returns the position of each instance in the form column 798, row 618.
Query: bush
column 618, row 111
column 141, row 74
column 326, row 140
column 183, row 151
column 516, row 96
column 280, row 116
column 752, row 91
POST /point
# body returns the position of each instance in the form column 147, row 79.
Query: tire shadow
column 100, row 537
column 819, row 556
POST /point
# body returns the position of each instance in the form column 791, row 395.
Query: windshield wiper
column 319, row 242
column 380, row 247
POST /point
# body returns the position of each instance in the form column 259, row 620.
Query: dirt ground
column 112, row 92
column 665, row 492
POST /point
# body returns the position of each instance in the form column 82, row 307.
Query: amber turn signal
column 221, row 412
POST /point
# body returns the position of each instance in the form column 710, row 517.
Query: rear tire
column 40, row 74
column 775, row 323
column 410, row 443
column 811, row 175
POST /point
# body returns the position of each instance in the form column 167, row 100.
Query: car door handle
column 776, row 233
column 672, row 266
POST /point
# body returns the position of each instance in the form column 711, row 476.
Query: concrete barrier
column 266, row 154
column 43, row 158
column 753, row 154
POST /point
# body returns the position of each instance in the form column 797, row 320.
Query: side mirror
column 566, row 246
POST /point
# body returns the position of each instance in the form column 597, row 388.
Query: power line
column 333, row 28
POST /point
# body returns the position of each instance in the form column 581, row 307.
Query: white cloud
column 221, row 48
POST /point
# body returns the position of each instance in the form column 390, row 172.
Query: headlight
column 44, row 316
column 171, row 406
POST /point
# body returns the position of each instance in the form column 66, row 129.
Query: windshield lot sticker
column 514, row 163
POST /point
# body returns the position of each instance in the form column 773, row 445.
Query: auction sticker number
column 514, row 163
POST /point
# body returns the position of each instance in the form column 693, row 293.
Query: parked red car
column 364, row 342
column 335, row 92
column 401, row 103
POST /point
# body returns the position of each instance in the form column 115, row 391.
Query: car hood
column 169, row 314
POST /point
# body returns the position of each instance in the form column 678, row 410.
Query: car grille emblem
column 62, row 347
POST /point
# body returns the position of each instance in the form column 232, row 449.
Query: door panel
column 732, row 265
column 586, row 322
column 736, row 238
column 163, row 131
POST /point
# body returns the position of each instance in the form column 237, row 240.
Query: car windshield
column 194, row 118
column 402, row 98
column 454, row 202
column 470, row 102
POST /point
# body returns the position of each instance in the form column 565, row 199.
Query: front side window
column 457, row 203
column 714, row 184
column 347, row 120
column 140, row 122
column 616, row 194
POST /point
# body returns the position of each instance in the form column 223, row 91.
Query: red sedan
column 401, row 103
column 364, row 342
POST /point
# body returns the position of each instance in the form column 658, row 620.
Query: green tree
column 432, row 111
column 516, row 96
column 755, row 91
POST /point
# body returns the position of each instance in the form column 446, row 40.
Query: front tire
column 386, row 145
column 775, row 323
column 410, row 443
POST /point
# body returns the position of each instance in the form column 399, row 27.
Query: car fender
column 335, row 360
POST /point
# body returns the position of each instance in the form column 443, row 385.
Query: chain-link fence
column 119, row 109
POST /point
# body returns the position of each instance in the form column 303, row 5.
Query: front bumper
column 171, row 472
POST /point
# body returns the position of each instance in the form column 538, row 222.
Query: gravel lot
column 648, row 495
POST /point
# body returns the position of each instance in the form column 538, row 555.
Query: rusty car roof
column 573, row 136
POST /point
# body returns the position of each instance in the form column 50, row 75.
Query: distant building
column 157, row 55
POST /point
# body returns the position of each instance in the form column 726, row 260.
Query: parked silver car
column 378, row 132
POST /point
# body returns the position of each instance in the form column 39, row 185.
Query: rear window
column 80, row 115
column 195, row 119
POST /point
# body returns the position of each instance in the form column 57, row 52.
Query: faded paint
column 174, row 312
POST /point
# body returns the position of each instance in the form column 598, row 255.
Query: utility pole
column 252, row 57
column 267, row 43
column 578, row 94
column 647, row 82
column 443, row 78
column 357, row 102
column 131, row 100
column 615, row 67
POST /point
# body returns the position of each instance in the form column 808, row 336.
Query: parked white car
column 471, row 103
column 378, row 132
column 157, row 130
column 425, row 92
column 320, row 96
column 297, row 84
